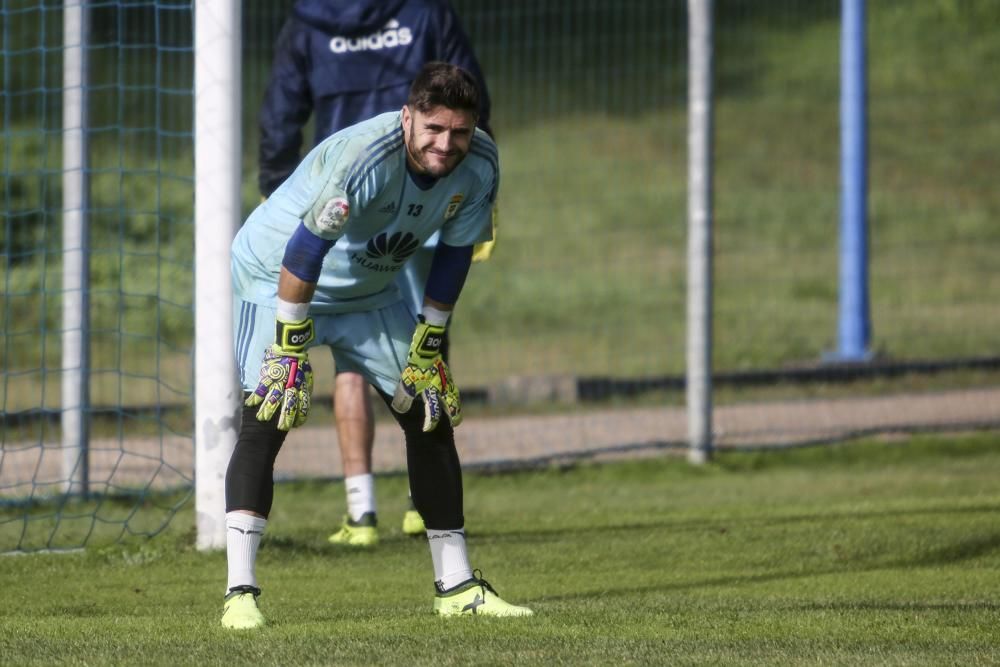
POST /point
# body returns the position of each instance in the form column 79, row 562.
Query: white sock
column 243, row 533
column 451, row 562
column 360, row 495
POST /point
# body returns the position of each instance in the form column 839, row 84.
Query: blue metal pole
column 854, row 328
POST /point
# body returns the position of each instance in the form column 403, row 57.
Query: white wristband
column 438, row 318
column 292, row 312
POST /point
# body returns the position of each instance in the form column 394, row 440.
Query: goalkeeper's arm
column 426, row 374
column 447, row 274
column 300, row 268
column 286, row 380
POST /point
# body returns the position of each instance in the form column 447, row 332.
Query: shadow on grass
column 953, row 553
column 720, row 525
column 949, row 555
column 318, row 546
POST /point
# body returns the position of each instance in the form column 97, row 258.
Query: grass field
column 875, row 552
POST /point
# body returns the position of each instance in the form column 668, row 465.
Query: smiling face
column 437, row 140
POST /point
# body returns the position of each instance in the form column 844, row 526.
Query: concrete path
column 33, row 468
column 500, row 442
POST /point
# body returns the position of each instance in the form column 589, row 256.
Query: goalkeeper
column 315, row 265
column 316, row 74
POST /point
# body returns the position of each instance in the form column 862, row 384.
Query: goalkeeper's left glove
column 286, row 377
column 426, row 374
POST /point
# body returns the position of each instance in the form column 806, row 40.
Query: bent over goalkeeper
column 315, row 265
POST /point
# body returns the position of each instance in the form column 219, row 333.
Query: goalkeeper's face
column 437, row 141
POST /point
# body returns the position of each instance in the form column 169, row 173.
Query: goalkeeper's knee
column 412, row 423
column 250, row 475
column 434, row 468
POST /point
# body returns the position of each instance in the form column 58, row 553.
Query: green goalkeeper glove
column 426, row 374
column 286, row 377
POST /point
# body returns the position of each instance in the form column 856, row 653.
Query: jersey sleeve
column 328, row 208
column 345, row 174
column 326, row 205
column 473, row 222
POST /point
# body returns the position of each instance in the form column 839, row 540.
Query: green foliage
column 870, row 552
column 30, row 227
column 140, row 246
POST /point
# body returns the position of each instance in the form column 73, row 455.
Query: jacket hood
column 346, row 17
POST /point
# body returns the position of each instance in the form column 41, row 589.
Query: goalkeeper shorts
column 373, row 343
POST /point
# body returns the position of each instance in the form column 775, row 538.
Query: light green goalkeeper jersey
column 354, row 188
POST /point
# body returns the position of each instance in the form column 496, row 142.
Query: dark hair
column 441, row 84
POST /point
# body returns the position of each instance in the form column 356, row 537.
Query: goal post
column 76, row 252
column 854, row 313
column 699, row 249
column 217, row 103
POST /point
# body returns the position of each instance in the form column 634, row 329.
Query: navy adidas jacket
column 344, row 61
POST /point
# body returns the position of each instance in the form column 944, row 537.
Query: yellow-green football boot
column 362, row 533
column 413, row 523
column 475, row 597
column 239, row 611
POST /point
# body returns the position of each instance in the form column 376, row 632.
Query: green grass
column 875, row 552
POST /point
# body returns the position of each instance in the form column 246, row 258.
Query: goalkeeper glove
column 426, row 374
column 286, row 377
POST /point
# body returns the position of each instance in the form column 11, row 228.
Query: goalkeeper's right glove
column 286, row 377
column 426, row 374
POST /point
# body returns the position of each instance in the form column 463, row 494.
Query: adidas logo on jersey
column 389, row 37
column 388, row 208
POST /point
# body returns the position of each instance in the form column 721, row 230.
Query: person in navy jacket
column 343, row 61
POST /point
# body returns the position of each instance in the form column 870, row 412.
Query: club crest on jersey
column 334, row 215
column 456, row 201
